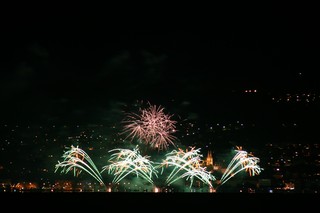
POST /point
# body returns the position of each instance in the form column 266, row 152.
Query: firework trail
column 241, row 161
column 125, row 162
column 186, row 165
column 78, row 160
column 152, row 126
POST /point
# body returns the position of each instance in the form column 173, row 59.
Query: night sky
column 88, row 63
column 69, row 80
column 69, row 76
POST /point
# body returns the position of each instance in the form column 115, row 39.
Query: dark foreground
column 148, row 202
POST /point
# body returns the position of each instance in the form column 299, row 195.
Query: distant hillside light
column 250, row 90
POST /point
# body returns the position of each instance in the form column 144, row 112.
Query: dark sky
column 89, row 60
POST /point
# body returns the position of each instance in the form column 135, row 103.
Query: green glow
column 183, row 164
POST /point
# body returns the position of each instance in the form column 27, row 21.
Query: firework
column 77, row 160
column 186, row 165
column 126, row 162
column 240, row 162
column 152, row 126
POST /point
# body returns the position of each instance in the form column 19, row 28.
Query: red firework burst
column 151, row 126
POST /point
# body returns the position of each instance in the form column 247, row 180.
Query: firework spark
column 126, row 161
column 78, row 160
column 152, row 126
column 186, row 165
column 241, row 161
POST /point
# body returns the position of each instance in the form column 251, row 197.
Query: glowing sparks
column 152, row 126
column 186, row 165
column 180, row 164
column 126, row 162
column 241, row 161
column 78, row 160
